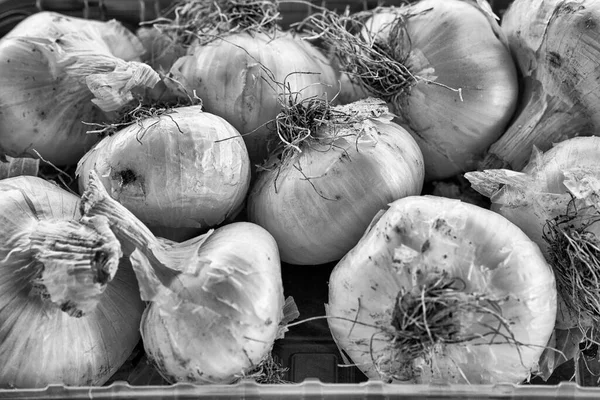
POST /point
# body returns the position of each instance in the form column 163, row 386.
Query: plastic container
column 314, row 365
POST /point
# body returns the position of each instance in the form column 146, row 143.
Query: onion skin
column 230, row 75
column 556, row 45
column 454, row 45
column 180, row 173
column 45, row 98
column 237, row 297
column 539, row 194
column 216, row 295
column 39, row 343
column 489, row 253
column 318, row 220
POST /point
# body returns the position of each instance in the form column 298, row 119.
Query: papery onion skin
column 181, row 172
column 237, row 75
column 454, row 46
column 44, row 100
column 216, row 300
column 39, row 343
column 538, row 194
column 556, row 45
column 318, row 203
column 489, row 253
column 236, row 295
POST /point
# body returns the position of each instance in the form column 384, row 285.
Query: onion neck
column 75, row 261
column 156, row 262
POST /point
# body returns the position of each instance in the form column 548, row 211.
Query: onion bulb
column 438, row 290
column 69, row 309
column 553, row 200
column 556, row 45
column 216, row 299
column 339, row 165
column 444, row 67
column 180, row 170
column 55, row 72
column 235, row 55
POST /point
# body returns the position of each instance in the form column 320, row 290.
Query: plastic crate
column 313, row 361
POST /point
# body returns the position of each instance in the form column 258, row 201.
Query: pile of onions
column 179, row 170
column 444, row 67
column 438, row 290
column 70, row 308
column 54, row 71
column 235, row 55
column 556, row 45
column 554, row 200
column 216, row 301
column 338, row 166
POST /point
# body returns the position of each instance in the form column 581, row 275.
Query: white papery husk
column 563, row 178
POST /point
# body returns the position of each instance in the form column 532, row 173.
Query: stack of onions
column 556, row 45
column 69, row 307
column 235, row 55
column 442, row 291
column 554, row 200
column 216, row 300
column 180, row 170
column 51, row 68
column 336, row 168
column 444, row 67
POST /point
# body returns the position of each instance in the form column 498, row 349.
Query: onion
column 54, row 71
column 340, row 166
column 216, row 300
column 235, row 55
column 438, row 290
column 444, row 67
column 553, row 200
column 180, row 170
column 67, row 315
column 556, row 46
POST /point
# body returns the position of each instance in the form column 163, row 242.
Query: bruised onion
column 338, row 166
column 68, row 315
column 438, row 290
column 180, row 170
column 444, row 67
